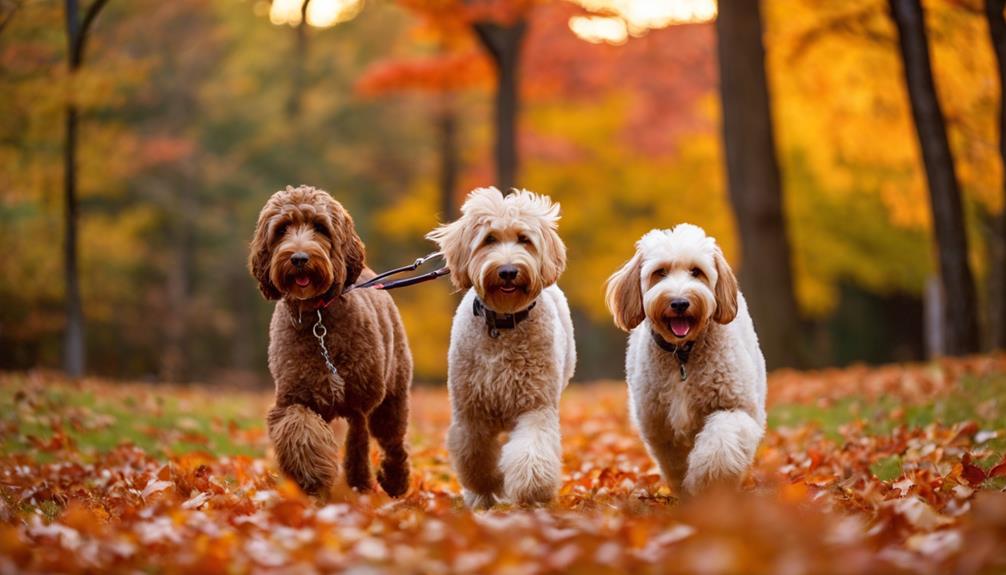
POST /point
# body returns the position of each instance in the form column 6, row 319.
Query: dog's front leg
column 475, row 453
column 532, row 458
column 358, row 453
column 723, row 450
column 306, row 447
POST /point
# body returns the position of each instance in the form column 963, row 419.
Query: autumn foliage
column 97, row 477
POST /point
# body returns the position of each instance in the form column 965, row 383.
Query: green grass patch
column 149, row 417
column 978, row 399
column 887, row 469
column 982, row 400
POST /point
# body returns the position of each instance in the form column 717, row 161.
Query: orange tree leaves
column 448, row 73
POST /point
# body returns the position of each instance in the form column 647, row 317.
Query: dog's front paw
column 723, row 451
column 394, row 478
column 358, row 476
column 476, row 501
column 306, row 448
column 531, row 461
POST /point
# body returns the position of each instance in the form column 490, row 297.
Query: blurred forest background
column 847, row 155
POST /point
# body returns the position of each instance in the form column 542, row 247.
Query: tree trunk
column 503, row 44
column 74, row 345
column 448, row 131
column 960, row 308
column 754, row 182
column 997, row 244
column 294, row 102
column 73, row 337
column 175, row 358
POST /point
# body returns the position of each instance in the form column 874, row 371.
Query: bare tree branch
column 80, row 40
column 8, row 16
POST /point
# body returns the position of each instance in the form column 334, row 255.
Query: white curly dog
column 511, row 351
column 695, row 371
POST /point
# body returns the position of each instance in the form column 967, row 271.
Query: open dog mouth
column 303, row 280
column 508, row 288
column 680, row 326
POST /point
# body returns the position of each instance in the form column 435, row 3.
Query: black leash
column 375, row 282
column 680, row 351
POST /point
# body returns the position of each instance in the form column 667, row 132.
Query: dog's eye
column 490, row 239
column 522, row 239
column 660, row 272
column 696, row 273
column 280, row 230
column 319, row 228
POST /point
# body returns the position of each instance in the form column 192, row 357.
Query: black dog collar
column 496, row 321
column 680, row 351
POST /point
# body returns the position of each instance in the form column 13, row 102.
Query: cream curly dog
column 511, row 351
column 695, row 371
column 305, row 253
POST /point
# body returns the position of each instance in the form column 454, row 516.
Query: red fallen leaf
column 998, row 470
column 972, row 473
column 816, row 457
column 965, row 431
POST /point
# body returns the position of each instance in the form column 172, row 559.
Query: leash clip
column 320, row 332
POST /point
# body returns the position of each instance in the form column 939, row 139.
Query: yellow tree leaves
column 840, row 100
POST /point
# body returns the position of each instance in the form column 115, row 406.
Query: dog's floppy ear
column 346, row 239
column 726, row 290
column 260, row 256
column 454, row 240
column 624, row 294
column 553, row 251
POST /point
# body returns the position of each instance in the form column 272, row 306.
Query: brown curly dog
column 305, row 253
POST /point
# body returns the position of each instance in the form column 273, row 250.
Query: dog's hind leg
column 532, row 458
column 358, row 453
column 306, row 447
column 475, row 454
column 388, row 423
column 723, row 450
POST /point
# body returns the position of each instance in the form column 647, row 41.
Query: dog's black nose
column 679, row 305
column 299, row 259
column 508, row 272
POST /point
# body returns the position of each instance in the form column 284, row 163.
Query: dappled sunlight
column 320, row 13
column 617, row 20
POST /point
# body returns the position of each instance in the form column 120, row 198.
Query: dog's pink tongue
column 680, row 326
column 303, row 281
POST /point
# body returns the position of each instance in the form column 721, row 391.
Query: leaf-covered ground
column 894, row 469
